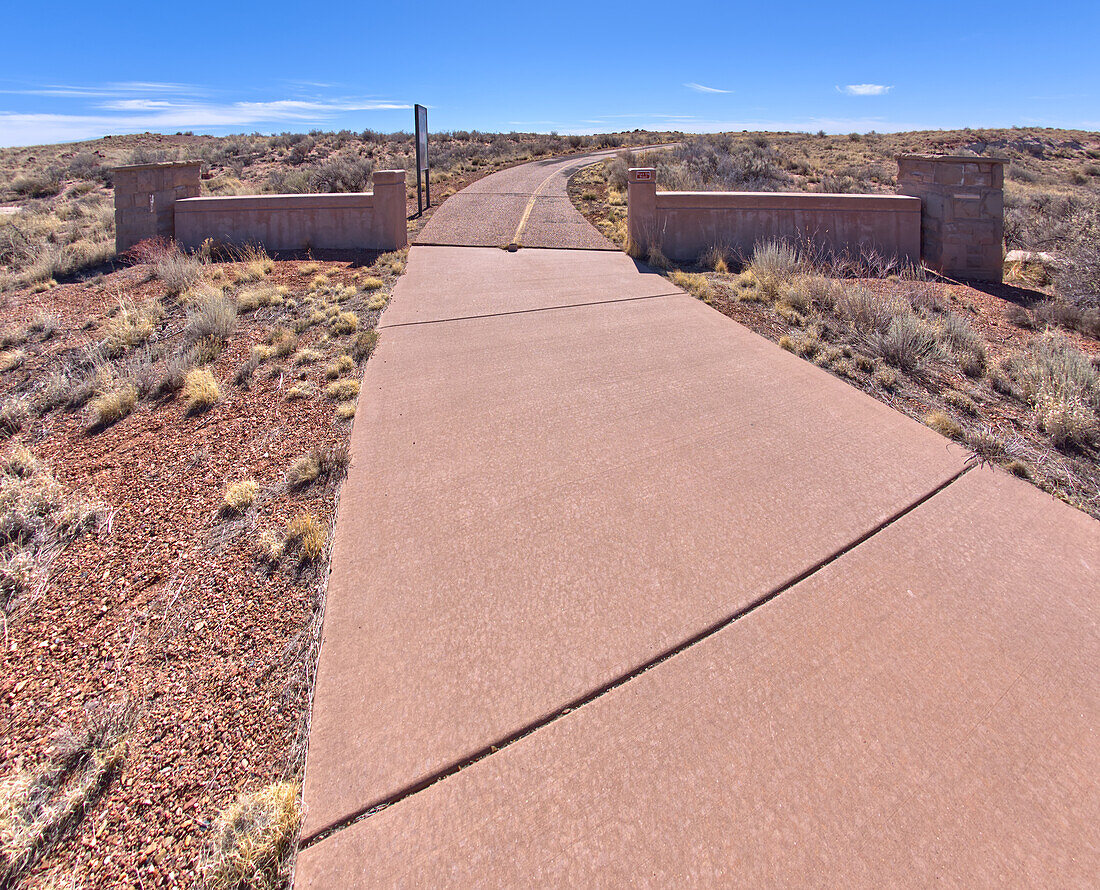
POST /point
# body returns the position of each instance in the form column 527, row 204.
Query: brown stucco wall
column 161, row 200
column 685, row 224
column 948, row 213
column 360, row 220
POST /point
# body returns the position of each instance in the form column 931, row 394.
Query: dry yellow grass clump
column 252, row 839
column 240, row 495
column 344, row 323
column 340, row 365
column 943, row 423
column 200, row 390
column 372, row 283
column 343, row 389
column 306, row 531
column 113, row 401
column 10, row 359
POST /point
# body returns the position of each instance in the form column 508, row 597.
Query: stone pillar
column 962, row 213
column 641, row 209
column 389, row 207
column 145, row 198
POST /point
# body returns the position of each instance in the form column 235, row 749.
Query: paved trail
column 527, row 205
column 623, row 594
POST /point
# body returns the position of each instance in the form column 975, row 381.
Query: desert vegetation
column 56, row 202
column 165, row 511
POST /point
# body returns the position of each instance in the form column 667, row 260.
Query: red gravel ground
column 168, row 605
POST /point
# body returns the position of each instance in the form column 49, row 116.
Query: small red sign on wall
column 643, row 176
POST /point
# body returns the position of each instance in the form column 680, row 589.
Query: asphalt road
column 528, row 205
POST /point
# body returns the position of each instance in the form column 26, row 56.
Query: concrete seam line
column 589, row 697
column 610, row 249
column 409, row 324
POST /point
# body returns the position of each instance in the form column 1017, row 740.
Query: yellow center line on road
column 527, row 211
column 593, row 158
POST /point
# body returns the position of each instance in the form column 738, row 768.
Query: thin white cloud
column 141, row 115
column 104, row 91
column 700, row 88
column 864, row 89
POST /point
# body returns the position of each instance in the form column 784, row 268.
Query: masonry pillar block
column 962, row 213
column 145, row 197
column 641, row 209
column 389, row 205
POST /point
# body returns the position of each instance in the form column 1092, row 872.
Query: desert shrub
column 866, row 312
column 1020, row 317
column 806, row 292
column 341, row 173
column 212, row 317
column 86, row 165
column 364, row 345
column 252, row 840
column 1062, row 386
column 42, row 185
column 175, row 370
column 1070, row 316
column 200, row 390
column 773, row 265
column 964, row 342
column 1069, row 226
column 717, row 162
column 906, row 342
column 177, row 270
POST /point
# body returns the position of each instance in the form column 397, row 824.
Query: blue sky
column 79, row 70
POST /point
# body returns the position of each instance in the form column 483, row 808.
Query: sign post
column 421, row 114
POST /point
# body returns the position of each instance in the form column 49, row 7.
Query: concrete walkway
column 623, row 594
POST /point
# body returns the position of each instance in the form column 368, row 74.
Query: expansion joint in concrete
column 593, row 695
column 407, row 324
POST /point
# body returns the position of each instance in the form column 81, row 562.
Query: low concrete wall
column 145, row 197
column 374, row 221
column 161, row 200
column 685, row 224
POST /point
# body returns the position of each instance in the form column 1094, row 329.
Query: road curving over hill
column 527, row 205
